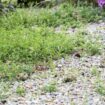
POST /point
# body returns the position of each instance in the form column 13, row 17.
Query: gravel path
column 76, row 79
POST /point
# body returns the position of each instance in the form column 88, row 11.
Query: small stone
column 59, row 65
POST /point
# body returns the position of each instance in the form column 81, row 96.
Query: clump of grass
column 4, row 90
column 20, row 90
column 99, row 83
column 100, row 88
column 13, row 70
column 95, row 72
column 70, row 75
column 93, row 48
column 51, row 87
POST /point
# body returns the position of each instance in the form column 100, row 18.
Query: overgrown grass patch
column 4, row 90
column 12, row 70
column 41, row 44
column 27, row 36
column 27, row 46
column 65, row 14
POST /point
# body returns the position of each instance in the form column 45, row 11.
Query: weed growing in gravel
column 101, row 90
column 13, row 70
column 4, row 90
column 20, row 90
column 99, row 83
column 100, row 87
column 51, row 87
column 70, row 75
column 93, row 48
column 95, row 72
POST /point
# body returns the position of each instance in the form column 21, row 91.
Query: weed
column 92, row 47
column 4, row 90
column 20, row 90
column 41, row 44
column 66, row 15
column 100, row 88
column 51, row 87
column 10, row 71
column 95, row 72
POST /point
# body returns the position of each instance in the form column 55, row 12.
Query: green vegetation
column 4, row 90
column 95, row 72
column 20, row 91
column 99, row 82
column 41, row 44
column 13, row 70
column 51, row 87
column 100, row 87
column 65, row 14
column 28, row 36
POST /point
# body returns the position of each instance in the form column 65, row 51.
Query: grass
column 38, row 44
column 50, row 87
column 100, row 87
column 13, row 70
column 20, row 91
column 4, row 90
column 27, row 36
column 99, row 82
column 41, row 44
column 66, row 15
column 95, row 72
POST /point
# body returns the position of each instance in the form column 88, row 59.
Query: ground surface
column 76, row 79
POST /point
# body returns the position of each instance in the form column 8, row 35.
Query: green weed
column 4, row 90
column 51, row 87
column 20, row 91
column 95, row 72
column 100, row 88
